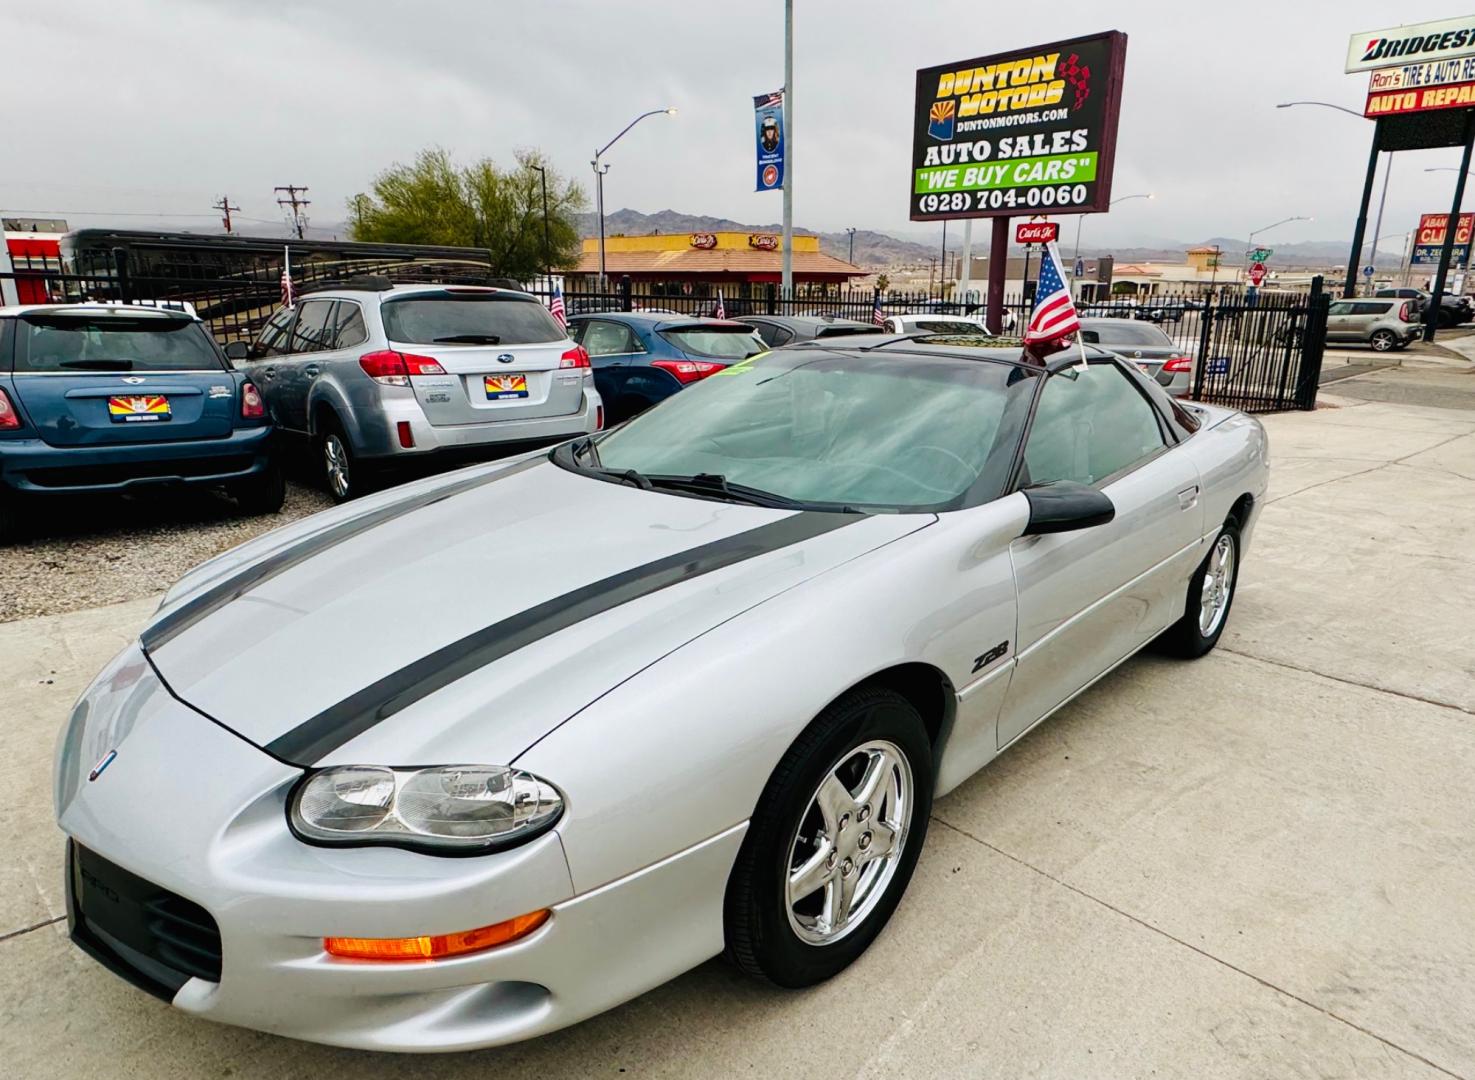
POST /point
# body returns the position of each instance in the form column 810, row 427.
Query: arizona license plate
column 144, row 408
column 502, row 387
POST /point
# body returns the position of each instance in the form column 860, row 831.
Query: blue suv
column 102, row 398
column 643, row 357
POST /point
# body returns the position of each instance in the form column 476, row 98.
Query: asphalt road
column 1256, row 865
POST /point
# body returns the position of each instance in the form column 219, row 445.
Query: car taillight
column 576, row 357
column 1403, row 312
column 9, row 418
column 688, row 371
column 599, row 418
column 395, row 368
column 252, row 407
column 1178, row 364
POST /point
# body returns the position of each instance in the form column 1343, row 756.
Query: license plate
column 141, row 409
column 1218, row 365
column 503, row 387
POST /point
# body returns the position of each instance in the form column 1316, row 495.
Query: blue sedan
column 641, row 358
column 97, row 398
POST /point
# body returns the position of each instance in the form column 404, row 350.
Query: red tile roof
column 688, row 261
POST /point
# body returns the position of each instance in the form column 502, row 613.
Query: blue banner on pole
column 768, row 129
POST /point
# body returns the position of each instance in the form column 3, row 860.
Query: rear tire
column 1210, row 596
column 344, row 475
column 817, row 812
column 263, row 493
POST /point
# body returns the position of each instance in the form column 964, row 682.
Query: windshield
column 871, row 431
column 721, row 342
column 1124, row 334
column 101, row 342
column 468, row 318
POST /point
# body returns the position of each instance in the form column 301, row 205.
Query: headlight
column 445, row 810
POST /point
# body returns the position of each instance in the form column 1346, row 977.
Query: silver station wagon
column 379, row 374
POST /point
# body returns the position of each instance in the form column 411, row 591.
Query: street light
column 1387, row 172
column 1081, row 218
column 850, row 258
column 1448, row 168
column 599, row 178
column 1251, row 245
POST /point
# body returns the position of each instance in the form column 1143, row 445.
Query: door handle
column 311, row 371
column 1188, row 498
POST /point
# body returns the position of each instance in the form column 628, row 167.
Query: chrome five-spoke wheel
column 1218, row 582
column 336, row 465
column 849, row 842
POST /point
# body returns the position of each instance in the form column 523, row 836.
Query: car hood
column 471, row 615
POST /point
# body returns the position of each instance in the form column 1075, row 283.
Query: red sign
column 1423, row 99
column 1257, row 274
column 703, row 240
column 1036, row 232
column 763, row 241
column 1432, row 226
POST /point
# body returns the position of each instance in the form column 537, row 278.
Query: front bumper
column 35, row 467
column 274, row 898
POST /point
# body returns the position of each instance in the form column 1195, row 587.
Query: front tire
column 1210, row 595
column 833, row 841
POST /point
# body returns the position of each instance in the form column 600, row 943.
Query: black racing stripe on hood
column 311, row 740
column 218, row 595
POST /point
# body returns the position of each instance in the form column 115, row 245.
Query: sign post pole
column 965, row 279
column 1431, row 316
column 1349, row 287
column 788, row 260
column 998, row 265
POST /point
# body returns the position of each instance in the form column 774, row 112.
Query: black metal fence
column 1259, row 353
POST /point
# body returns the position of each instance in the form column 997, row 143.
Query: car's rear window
column 1124, row 334
column 469, row 319
column 70, row 342
column 946, row 326
column 721, row 342
column 846, row 331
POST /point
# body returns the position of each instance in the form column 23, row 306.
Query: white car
column 473, row 759
column 925, row 323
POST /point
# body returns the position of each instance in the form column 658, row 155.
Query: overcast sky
column 154, row 106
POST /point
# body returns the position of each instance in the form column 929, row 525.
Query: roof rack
column 361, row 282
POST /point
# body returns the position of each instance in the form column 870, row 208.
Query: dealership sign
column 1429, row 240
column 1448, row 39
column 1036, row 232
column 1411, row 88
column 1027, row 131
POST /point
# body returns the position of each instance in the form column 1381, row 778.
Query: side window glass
column 607, row 339
column 272, row 340
column 313, row 326
column 780, row 336
column 1342, row 308
column 351, row 330
column 1089, row 425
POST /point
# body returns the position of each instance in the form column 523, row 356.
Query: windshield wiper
column 467, row 339
column 717, row 484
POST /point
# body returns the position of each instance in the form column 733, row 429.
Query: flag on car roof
column 1054, row 317
column 721, row 312
column 289, row 294
column 556, row 308
column 876, row 317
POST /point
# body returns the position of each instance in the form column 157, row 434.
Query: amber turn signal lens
column 437, row 946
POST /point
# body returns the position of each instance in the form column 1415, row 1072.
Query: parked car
column 780, row 330
column 925, row 323
column 599, row 744
column 1453, row 310
column 1148, row 347
column 642, row 358
column 98, row 398
column 1382, row 324
column 379, row 375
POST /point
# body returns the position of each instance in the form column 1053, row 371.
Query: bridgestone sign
column 1026, row 132
column 1448, row 39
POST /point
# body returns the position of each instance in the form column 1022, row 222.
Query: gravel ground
column 89, row 552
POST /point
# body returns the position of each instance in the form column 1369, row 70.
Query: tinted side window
column 1369, row 308
column 351, row 330
column 1341, row 308
column 1089, row 425
column 273, row 339
column 608, row 339
column 313, row 327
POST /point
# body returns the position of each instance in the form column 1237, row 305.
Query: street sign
column 1036, row 232
column 1257, row 273
column 1260, row 255
column 1368, row 271
column 1080, row 268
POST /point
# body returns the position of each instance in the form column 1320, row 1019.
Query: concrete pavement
column 1255, row 865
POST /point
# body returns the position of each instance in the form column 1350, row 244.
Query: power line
column 298, row 219
column 225, row 208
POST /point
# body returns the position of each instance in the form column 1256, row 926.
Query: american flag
column 721, row 312
column 556, row 308
column 768, row 101
column 876, row 317
column 1054, row 316
column 289, row 294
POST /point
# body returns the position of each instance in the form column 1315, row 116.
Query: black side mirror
column 237, row 350
column 1064, row 505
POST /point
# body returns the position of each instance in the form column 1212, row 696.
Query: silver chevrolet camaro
column 479, row 757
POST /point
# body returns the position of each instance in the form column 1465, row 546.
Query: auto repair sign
column 1429, row 240
column 1029, row 131
column 1448, row 39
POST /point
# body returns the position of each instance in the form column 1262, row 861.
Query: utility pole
column 547, row 251
column 294, row 200
column 225, row 208
column 850, row 258
column 788, row 261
